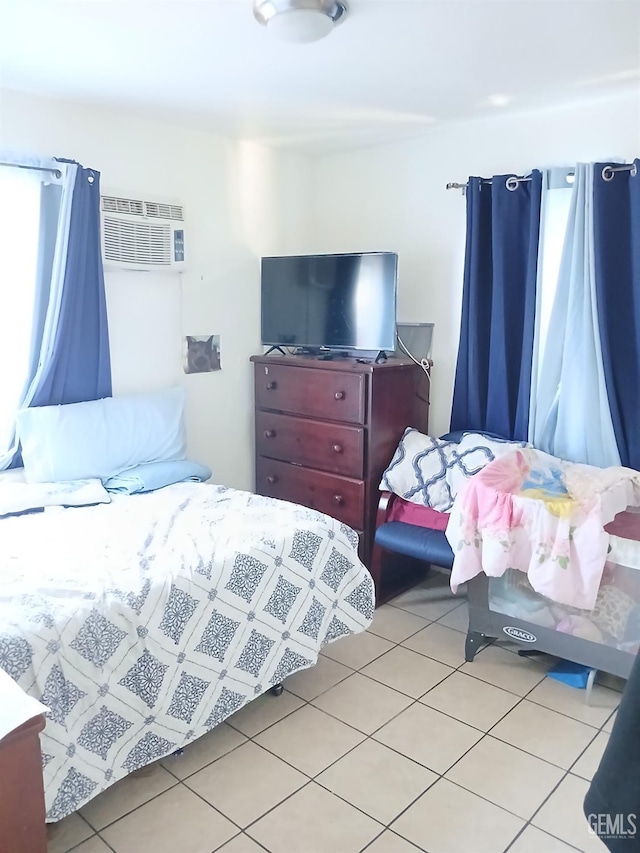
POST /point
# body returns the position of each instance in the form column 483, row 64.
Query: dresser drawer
column 318, row 444
column 338, row 497
column 329, row 394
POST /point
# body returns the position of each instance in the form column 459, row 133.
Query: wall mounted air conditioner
column 142, row 235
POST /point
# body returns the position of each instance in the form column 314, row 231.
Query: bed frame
column 484, row 624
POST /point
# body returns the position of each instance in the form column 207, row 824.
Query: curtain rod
column 55, row 172
column 608, row 174
column 511, row 182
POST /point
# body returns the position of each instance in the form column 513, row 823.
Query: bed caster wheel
column 277, row 690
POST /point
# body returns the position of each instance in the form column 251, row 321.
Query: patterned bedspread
column 144, row 623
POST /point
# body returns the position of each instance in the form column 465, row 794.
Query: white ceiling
column 393, row 68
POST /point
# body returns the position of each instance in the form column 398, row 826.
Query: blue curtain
column 617, row 262
column 493, row 372
column 70, row 359
column 571, row 415
column 79, row 367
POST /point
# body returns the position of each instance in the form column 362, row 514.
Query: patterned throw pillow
column 431, row 471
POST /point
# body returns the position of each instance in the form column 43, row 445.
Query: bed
column 143, row 623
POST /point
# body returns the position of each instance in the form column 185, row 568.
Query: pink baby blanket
column 543, row 516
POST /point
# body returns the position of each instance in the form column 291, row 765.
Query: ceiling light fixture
column 299, row 20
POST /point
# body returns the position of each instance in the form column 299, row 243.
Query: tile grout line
column 208, row 764
column 387, row 829
column 487, row 734
column 541, row 806
column 413, row 613
column 171, row 787
column 414, row 701
column 527, row 695
column 370, row 737
column 549, row 795
column 412, row 634
column 313, row 779
column 135, row 809
column 241, row 834
column 200, row 797
column 566, row 772
column 104, row 841
column 310, row 779
column 366, row 736
column 284, row 717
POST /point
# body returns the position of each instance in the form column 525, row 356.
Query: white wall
column 393, row 197
column 242, row 200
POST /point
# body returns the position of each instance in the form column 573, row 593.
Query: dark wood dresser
column 326, row 431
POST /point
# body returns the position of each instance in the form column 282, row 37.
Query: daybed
column 143, row 623
column 606, row 637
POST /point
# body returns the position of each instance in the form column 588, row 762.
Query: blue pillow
column 101, row 438
column 156, row 475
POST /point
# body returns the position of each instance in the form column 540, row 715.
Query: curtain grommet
column 608, row 174
column 512, row 184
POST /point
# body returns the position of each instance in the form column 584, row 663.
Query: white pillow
column 102, row 437
column 431, row 471
column 17, row 497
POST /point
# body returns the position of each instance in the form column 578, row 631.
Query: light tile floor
column 391, row 744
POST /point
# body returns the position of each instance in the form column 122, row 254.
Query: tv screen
column 335, row 301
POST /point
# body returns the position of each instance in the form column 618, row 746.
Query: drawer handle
column 337, row 448
column 271, row 479
column 339, row 395
column 269, row 433
column 271, row 386
column 338, row 500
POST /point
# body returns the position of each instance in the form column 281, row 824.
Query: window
column 19, row 238
column 554, row 220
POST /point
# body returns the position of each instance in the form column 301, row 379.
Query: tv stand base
column 274, row 348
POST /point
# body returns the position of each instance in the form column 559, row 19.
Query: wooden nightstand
column 22, row 810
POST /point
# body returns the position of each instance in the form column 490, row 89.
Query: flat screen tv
column 334, row 301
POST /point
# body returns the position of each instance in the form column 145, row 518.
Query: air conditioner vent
column 138, row 207
column 164, row 211
column 132, row 206
column 137, row 243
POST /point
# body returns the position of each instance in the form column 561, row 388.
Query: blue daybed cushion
column 101, row 438
column 156, row 475
column 419, row 542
